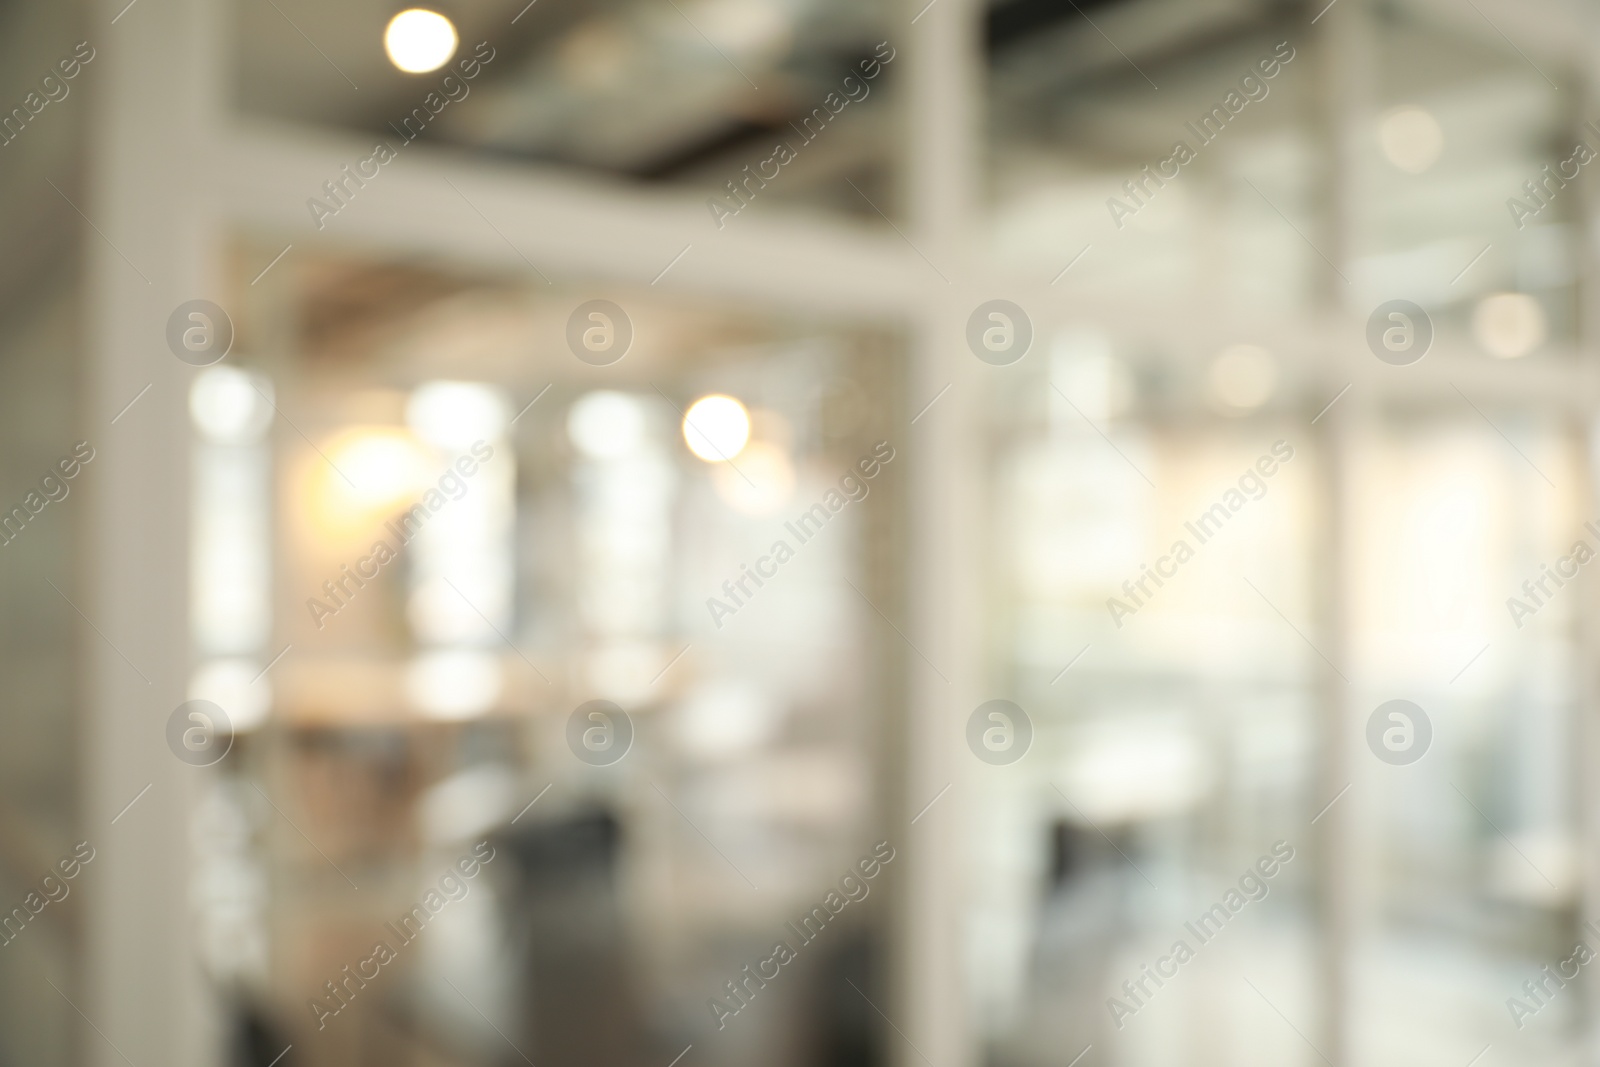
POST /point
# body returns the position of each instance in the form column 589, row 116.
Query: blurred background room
column 892, row 533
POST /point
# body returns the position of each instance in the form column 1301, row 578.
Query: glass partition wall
column 1225, row 538
column 1152, row 880
column 529, row 649
column 598, row 615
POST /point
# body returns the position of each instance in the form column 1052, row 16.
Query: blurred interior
column 416, row 341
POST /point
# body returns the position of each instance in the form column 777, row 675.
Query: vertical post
column 156, row 69
column 1337, row 855
column 940, row 96
column 1586, row 638
column 1346, row 73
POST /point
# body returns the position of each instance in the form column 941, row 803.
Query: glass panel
column 1150, row 858
column 1184, row 174
column 1471, row 850
column 1177, row 179
column 574, row 745
column 1462, row 216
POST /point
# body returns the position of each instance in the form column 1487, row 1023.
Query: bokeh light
column 763, row 482
column 1508, row 325
column 1243, row 377
column 418, row 40
column 1410, row 138
column 716, row 428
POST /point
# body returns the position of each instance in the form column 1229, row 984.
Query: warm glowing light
column 369, row 472
column 1509, row 325
column 1243, row 376
column 716, row 428
column 1410, row 138
column 763, row 483
column 383, row 466
column 419, row 40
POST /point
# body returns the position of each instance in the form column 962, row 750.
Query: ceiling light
column 716, row 428
column 1410, row 138
column 596, row 54
column 763, row 483
column 419, row 40
column 1243, row 376
column 383, row 465
column 747, row 26
column 1509, row 325
column 363, row 474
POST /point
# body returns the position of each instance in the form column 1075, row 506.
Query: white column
column 1347, row 73
column 1586, row 684
column 941, row 90
column 144, row 194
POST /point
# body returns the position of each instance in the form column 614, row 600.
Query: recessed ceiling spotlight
column 596, row 54
column 1410, row 138
column 762, row 483
column 1243, row 377
column 750, row 27
column 1508, row 325
column 418, row 40
column 716, row 428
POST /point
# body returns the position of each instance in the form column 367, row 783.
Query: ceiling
column 640, row 89
column 682, row 90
